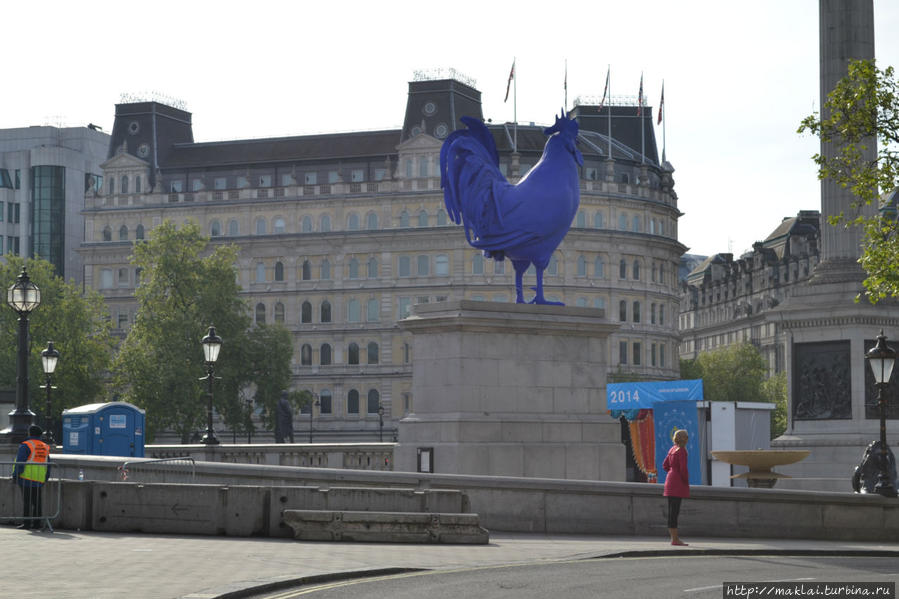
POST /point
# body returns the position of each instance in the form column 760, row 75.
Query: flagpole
column 642, row 124
column 566, row 86
column 515, row 107
column 609, row 108
column 664, row 121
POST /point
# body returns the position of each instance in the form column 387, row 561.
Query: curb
column 742, row 552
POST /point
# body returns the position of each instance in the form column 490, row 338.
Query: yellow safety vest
column 36, row 466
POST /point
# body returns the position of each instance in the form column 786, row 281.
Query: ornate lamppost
column 212, row 343
column 49, row 358
column 881, row 358
column 380, row 422
column 23, row 297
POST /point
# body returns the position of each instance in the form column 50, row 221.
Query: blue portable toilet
column 114, row 428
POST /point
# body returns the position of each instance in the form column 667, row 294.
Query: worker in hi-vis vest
column 30, row 473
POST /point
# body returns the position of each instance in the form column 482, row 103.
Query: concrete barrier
column 386, row 527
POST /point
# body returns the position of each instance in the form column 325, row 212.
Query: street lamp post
column 380, row 422
column 212, row 343
column 312, row 405
column 249, row 421
column 881, row 358
column 49, row 358
column 23, row 297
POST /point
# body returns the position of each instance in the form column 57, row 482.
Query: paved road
column 91, row 565
column 683, row 577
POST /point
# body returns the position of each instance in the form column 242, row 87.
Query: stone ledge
column 386, row 527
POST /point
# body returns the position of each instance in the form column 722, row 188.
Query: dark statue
column 821, row 385
column 867, row 473
column 284, row 420
column 524, row 222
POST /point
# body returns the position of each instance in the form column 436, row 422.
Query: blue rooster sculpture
column 524, row 222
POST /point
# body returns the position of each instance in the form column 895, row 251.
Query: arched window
column 441, row 265
column 353, row 354
column 636, row 312
column 279, row 312
column 215, row 228
column 499, row 267
column 139, row 232
column 352, row 310
column 260, row 313
column 636, row 224
column 441, row 217
column 325, row 354
column 279, row 271
column 661, row 273
column 278, row 225
column 325, row 270
column 581, row 266
column 374, row 401
column 354, row 268
column 306, row 312
column 372, row 310
column 597, row 220
column 581, row 219
column 371, row 221
column 636, row 276
column 123, row 233
column 306, row 227
column 477, row 264
column 654, row 272
column 352, row 402
column 372, row 352
column 306, row 355
column 372, row 268
column 307, row 270
column 553, row 267
column 324, row 400
column 405, row 268
column 622, row 311
column 352, row 222
column 424, row 265
column 260, row 272
column 260, row 225
column 324, row 224
column 233, row 228
column 599, row 268
column 107, row 233
column 622, row 269
column 124, row 184
column 404, row 220
column 137, row 185
column 622, row 222
column 423, row 218
column 325, row 311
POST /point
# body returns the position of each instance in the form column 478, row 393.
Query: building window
column 278, row 225
column 622, row 311
column 325, row 354
column 325, row 270
column 407, row 353
column 325, row 311
column 477, row 264
column 597, row 220
column 242, row 182
column 654, row 272
column 352, row 402
column 111, row 186
column 408, row 168
column 333, row 177
column 599, row 268
column 352, row 309
column 357, row 175
column 306, row 355
column 581, row 266
column 107, row 232
column 324, row 400
column 220, row 183
column 372, row 352
column 306, row 313
column 372, row 310
column 499, row 267
column 636, row 224
column 661, row 314
column 310, row 178
column 264, row 181
column 652, row 354
column 441, row 217
column 424, row 265
column 306, row 227
column 105, row 275
column 652, row 313
column 405, row 268
column 372, row 268
column 233, row 228
column 215, row 228
column 124, row 184
column 423, row 219
column 196, row 184
column 325, row 224
column 423, row 166
column 622, row 269
column 352, row 222
column 353, row 354
column 279, row 312
column 260, row 313
column 123, row 233
column 354, row 268
column 139, row 232
column 622, row 352
column 307, row 271
column 137, row 184
column 404, row 220
column 260, row 272
column 636, row 270
column 622, row 222
column 177, row 186
column 662, row 355
column 260, row 226
column 637, row 353
column 441, row 265
column 371, row 221
column 404, row 307
column 636, row 312
column 279, row 271
column 581, row 219
column 123, row 277
column 374, row 401
column 553, row 267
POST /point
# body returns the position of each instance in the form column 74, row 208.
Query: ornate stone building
column 341, row 234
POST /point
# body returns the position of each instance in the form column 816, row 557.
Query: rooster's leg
column 520, row 267
column 539, row 299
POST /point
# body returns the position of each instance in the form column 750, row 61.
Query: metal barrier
column 172, row 470
column 46, row 500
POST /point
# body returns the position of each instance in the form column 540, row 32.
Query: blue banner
column 669, row 416
column 631, row 396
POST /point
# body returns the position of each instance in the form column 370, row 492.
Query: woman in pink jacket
column 677, row 482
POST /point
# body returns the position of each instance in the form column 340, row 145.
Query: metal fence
column 165, row 470
column 46, row 499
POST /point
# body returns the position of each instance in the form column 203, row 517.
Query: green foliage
column 863, row 110
column 775, row 391
column 77, row 324
column 184, row 289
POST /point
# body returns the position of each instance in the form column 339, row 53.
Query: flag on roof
column 661, row 104
column 605, row 91
column 509, row 84
column 640, row 97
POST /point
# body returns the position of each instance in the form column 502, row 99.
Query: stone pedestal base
column 510, row 390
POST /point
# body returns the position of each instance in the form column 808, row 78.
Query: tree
column 182, row 293
column 77, row 324
column 863, row 109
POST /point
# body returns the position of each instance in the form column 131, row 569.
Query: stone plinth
column 510, row 390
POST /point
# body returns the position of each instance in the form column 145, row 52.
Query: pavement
column 95, row 565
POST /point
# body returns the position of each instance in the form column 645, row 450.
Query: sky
column 739, row 77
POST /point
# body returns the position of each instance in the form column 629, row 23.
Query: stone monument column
column 510, row 390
